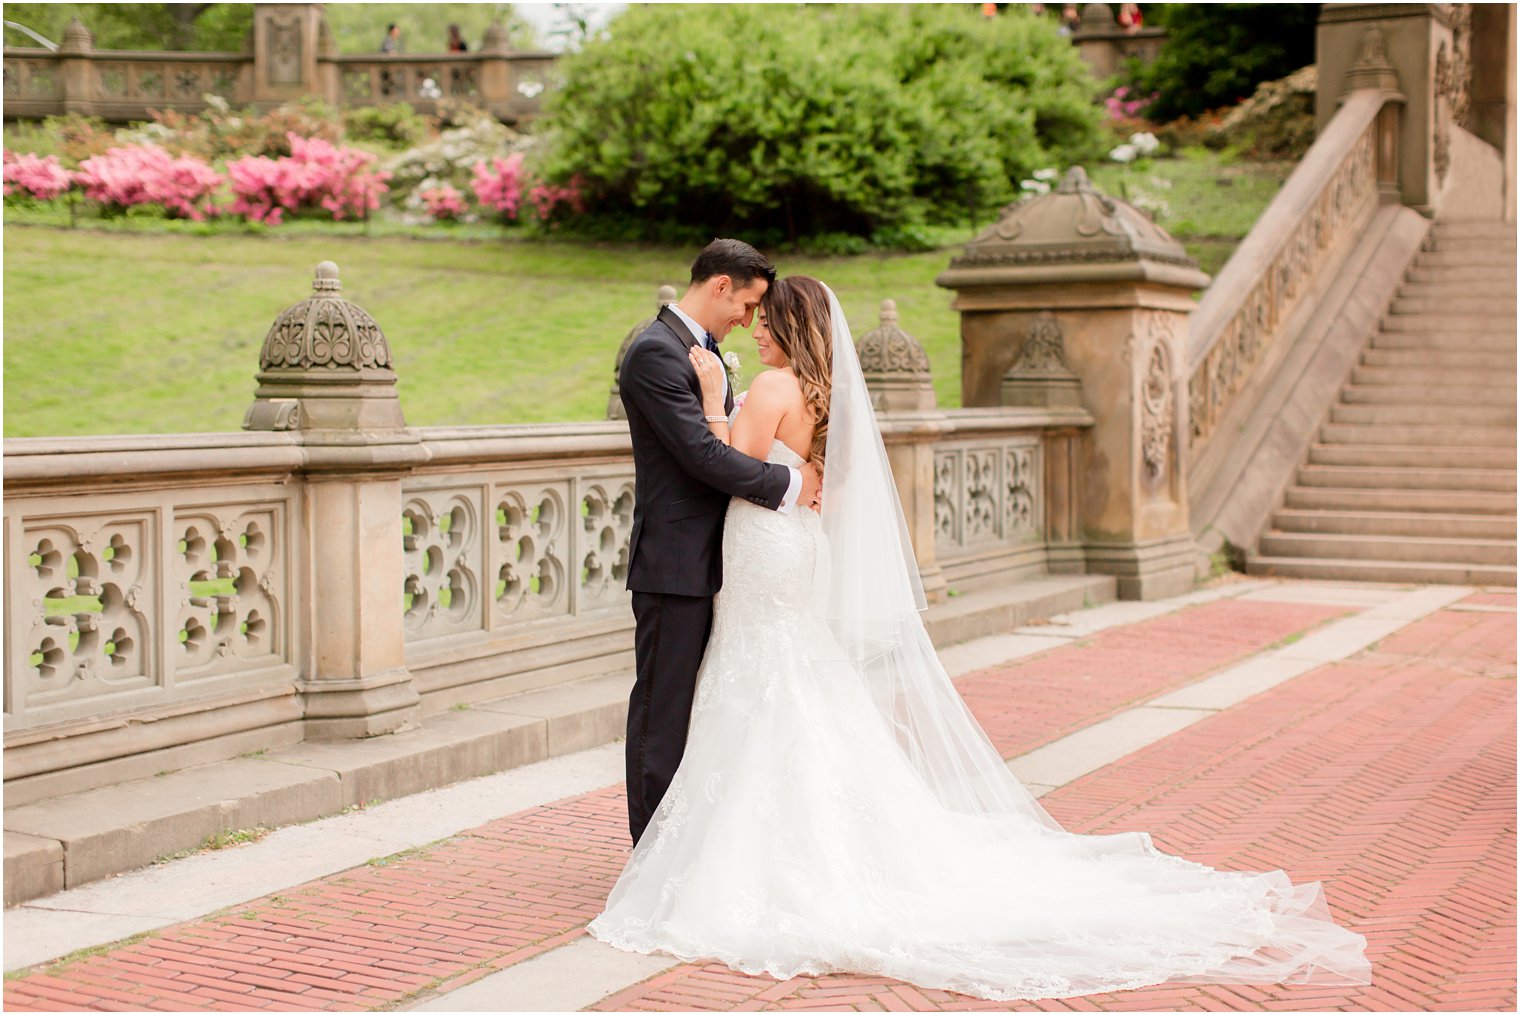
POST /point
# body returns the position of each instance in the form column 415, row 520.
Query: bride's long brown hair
column 797, row 315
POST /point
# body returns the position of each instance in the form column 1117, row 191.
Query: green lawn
column 144, row 333
column 136, row 325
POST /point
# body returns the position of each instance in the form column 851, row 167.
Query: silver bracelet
column 717, row 419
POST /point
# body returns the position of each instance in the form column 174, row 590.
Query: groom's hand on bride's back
column 812, row 487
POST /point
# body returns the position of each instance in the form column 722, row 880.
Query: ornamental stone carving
column 1039, row 375
column 1158, row 410
column 325, row 365
column 325, row 331
column 1075, row 223
column 987, row 494
column 895, row 366
column 665, row 296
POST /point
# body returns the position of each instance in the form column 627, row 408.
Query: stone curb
column 71, row 840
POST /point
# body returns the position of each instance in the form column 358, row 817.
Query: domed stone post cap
column 325, row 365
column 495, row 39
column 664, row 296
column 895, row 366
column 76, row 37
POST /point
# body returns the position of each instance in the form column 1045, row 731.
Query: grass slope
column 153, row 333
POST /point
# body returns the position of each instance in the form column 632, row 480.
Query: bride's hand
column 709, row 370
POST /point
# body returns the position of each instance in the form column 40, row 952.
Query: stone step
column 1426, row 415
column 1340, row 569
column 1502, row 274
column 1485, row 361
column 1395, row 523
column 1448, row 239
column 1469, row 257
column 1310, row 498
column 1392, row 456
column 1418, row 436
column 1364, row 477
column 1421, row 549
column 1386, row 387
column 1456, row 341
column 1442, row 324
column 1501, row 306
column 1451, row 292
column 1473, row 227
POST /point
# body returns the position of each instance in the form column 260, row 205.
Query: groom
column 683, row 479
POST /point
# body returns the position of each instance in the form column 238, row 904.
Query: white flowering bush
column 449, row 160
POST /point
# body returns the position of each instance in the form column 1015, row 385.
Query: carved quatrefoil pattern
column 545, row 549
column 987, row 494
column 144, row 600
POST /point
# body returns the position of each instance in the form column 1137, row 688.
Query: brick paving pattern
column 1390, row 776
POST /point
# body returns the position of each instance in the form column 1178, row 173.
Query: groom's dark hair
column 734, row 258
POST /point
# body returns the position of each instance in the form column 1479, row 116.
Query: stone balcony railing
column 290, row 55
column 176, row 599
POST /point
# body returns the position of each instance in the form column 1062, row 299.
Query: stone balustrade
column 333, row 573
column 290, row 54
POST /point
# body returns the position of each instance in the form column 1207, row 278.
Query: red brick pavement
column 449, row 914
column 1390, row 777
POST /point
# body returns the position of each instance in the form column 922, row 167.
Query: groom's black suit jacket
column 683, row 475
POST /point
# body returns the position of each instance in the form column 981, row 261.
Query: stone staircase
column 1412, row 476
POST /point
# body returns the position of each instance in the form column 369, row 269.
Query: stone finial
column 1075, row 228
column 325, row 364
column 76, row 38
column 895, row 366
column 1372, row 68
column 495, row 39
column 664, row 297
column 1098, row 18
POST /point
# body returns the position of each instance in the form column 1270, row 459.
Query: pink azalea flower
column 143, row 174
column 40, row 176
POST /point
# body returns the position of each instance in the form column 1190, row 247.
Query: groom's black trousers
column 668, row 641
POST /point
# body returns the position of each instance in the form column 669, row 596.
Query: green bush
column 789, row 122
column 1216, row 54
column 397, row 125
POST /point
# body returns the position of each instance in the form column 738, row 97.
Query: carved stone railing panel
column 233, row 587
column 1240, row 320
column 531, row 576
column 548, row 548
column 987, row 493
column 33, row 79
column 441, row 537
column 606, row 525
column 121, row 600
column 89, row 586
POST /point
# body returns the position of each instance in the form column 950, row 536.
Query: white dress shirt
column 794, row 489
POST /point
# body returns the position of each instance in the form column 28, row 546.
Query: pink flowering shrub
column 316, row 174
column 38, row 175
column 547, row 197
column 143, row 174
column 1126, row 104
column 444, row 203
column 499, row 186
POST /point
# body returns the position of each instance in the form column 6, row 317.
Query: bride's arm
column 710, row 376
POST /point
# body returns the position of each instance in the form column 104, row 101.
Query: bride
column 838, row 809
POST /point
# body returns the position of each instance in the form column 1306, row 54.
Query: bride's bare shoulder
column 776, row 386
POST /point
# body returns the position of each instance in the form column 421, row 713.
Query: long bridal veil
column 1251, row 928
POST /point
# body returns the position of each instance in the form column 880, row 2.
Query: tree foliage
column 1216, row 54
column 784, row 122
column 199, row 27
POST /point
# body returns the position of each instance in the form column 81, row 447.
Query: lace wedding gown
column 799, row 837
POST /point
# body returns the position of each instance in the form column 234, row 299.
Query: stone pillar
column 496, row 79
column 287, row 39
column 1410, row 41
column 896, row 371
column 665, row 296
column 1116, row 290
column 325, row 375
column 75, row 75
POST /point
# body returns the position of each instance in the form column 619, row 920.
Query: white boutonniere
column 731, row 363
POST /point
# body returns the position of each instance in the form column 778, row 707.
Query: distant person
column 1130, row 18
column 392, row 41
column 456, row 41
column 1038, row 10
column 1071, row 19
column 989, row 10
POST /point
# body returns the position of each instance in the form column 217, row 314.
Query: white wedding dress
column 838, row 809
